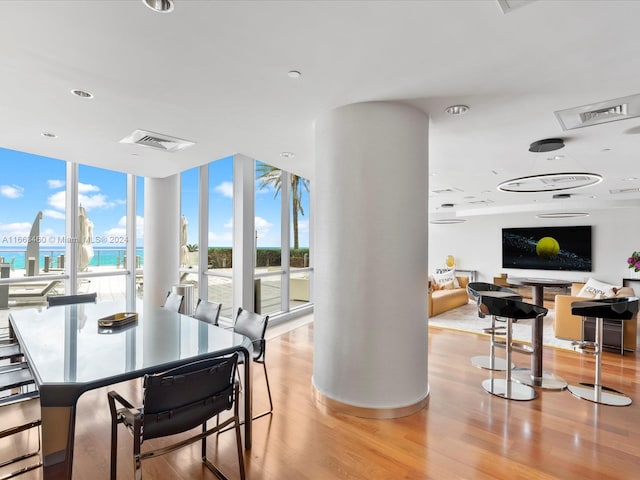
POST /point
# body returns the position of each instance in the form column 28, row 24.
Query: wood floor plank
column 464, row 433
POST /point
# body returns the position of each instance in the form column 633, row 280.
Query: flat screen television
column 547, row 248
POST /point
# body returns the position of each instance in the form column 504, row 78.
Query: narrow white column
column 370, row 251
column 161, row 237
column 244, row 175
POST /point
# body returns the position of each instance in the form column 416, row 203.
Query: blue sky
column 31, row 183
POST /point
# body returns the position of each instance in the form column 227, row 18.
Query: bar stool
column 511, row 310
column 476, row 290
column 623, row 308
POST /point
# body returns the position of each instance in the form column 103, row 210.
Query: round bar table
column 536, row 376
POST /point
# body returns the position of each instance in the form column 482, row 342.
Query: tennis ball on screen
column 547, row 247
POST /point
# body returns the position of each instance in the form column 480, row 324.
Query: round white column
column 370, row 274
column 161, row 237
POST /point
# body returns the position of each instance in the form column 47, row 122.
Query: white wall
column 477, row 244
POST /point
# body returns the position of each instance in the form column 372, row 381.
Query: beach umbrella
column 85, row 238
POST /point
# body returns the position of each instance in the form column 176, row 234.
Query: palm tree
column 270, row 175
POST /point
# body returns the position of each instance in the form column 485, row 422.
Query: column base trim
column 329, row 405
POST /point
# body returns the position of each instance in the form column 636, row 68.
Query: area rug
column 466, row 319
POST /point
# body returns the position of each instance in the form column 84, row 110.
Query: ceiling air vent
column 624, row 190
column 446, row 190
column 509, row 5
column 158, row 141
column 601, row 112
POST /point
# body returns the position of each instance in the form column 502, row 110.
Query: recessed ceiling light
column 562, row 215
column 457, row 109
column 160, row 6
column 629, row 179
column 82, row 93
column 287, row 154
column 448, row 221
column 294, row 74
column 556, row 157
column 49, row 135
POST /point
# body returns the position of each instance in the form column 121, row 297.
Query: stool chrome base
column 548, row 381
column 600, row 394
column 484, row 361
column 511, row 390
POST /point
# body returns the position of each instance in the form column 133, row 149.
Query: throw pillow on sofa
column 595, row 289
column 443, row 278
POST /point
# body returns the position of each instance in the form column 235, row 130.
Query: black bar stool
column 623, row 308
column 476, row 290
column 511, row 310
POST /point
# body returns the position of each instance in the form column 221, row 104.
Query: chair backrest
column 54, row 300
column 474, row 287
column 207, row 311
column 173, row 302
column 509, row 308
column 253, row 326
column 184, row 397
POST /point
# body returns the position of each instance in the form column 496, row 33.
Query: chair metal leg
column 266, row 378
column 491, row 362
column 596, row 392
column 507, row 387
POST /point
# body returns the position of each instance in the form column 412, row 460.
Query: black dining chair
column 491, row 361
column 56, row 300
column 174, row 402
column 254, row 326
column 173, row 302
column 207, row 311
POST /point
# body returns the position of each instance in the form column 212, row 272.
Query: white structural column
column 161, row 237
column 370, row 316
column 244, row 174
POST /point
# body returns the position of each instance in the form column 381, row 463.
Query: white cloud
column 57, row 200
column 53, row 183
column 303, row 226
column 87, row 187
column 94, row 201
column 54, row 214
column 121, row 229
column 229, row 224
column 225, row 188
column 15, row 228
column 262, row 227
column 11, row 191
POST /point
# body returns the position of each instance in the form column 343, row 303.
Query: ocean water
column 111, row 257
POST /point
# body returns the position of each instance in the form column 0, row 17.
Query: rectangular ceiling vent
column 601, row 112
column 559, row 180
column 446, row 190
column 509, row 5
column 158, row 141
column 624, row 190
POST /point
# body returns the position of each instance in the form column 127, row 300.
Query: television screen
column 547, row 248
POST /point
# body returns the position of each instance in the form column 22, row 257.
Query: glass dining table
column 69, row 354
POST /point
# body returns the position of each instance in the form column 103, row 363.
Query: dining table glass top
column 65, row 344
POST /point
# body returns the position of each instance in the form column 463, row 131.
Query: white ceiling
column 215, row 73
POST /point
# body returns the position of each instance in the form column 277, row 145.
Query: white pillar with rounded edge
column 370, row 314
column 161, row 237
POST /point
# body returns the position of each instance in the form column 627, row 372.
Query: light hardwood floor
column 464, row 433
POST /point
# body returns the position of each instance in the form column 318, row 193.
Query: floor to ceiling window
column 268, row 244
column 220, row 234
column 300, row 271
column 189, row 248
column 102, row 233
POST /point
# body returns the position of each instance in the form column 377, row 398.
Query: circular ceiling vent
column 546, row 145
column 550, row 182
